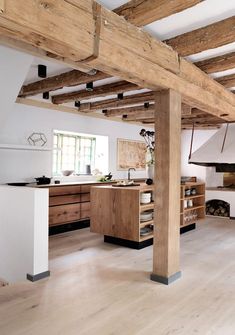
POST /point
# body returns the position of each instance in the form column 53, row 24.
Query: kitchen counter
column 115, row 213
column 141, row 187
column 72, row 183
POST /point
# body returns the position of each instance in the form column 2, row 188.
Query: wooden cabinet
column 69, row 203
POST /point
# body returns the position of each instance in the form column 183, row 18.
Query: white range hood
column 211, row 153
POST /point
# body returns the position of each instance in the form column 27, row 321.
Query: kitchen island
column 119, row 214
column 116, row 211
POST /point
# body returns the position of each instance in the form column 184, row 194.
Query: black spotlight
column 104, row 111
column 42, row 71
column 45, row 95
column 89, row 86
column 120, row 96
column 77, row 104
column 146, row 105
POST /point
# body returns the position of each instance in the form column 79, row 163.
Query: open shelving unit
column 143, row 208
column 190, row 215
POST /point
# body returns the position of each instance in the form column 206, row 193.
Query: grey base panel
column 38, row 276
column 165, row 280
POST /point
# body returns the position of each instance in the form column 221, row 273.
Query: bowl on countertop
column 67, row 173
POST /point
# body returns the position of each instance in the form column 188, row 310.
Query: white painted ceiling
column 203, row 14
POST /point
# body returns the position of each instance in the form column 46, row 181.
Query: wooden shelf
column 193, row 196
column 190, row 222
column 146, row 223
column 193, row 208
column 147, row 237
column 23, row 147
column 146, row 207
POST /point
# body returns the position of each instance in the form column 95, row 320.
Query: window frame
column 57, row 164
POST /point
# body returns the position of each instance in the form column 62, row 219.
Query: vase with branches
column 149, row 137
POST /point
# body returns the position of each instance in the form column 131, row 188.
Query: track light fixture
column 104, row 111
column 46, row 95
column 77, row 104
column 89, row 87
column 146, row 105
column 42, row 71
column 120, row 96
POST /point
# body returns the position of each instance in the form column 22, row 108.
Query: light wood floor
column 100, row 289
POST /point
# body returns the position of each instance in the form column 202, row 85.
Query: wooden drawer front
column 63, row 190
column 85, row 197
column 64, row 199
column 64, row 214
column 85, row 210
column 85, row 188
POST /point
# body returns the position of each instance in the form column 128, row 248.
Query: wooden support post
column 167, row 188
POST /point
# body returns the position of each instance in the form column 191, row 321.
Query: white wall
column 14, row 66
column 23, row 232
column 200, row 137
column 25, row 165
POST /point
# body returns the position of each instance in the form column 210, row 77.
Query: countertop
column 72, row 183
column 141, row 186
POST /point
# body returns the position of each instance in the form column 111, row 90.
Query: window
column 73, row 152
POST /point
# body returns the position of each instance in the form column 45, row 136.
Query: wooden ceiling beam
column 143, row 12
column 129, row 111
column 127, row 100
column 99, row 91
column 227, row 81
column 71, row 78
column 217, row 64
column 140, row 111
column 209, row 37
column 151, row 65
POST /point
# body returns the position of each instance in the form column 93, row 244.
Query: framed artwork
column 131, row 153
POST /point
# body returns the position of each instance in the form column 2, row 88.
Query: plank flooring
column 102, row 289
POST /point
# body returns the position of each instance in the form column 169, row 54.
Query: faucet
column 129, row 173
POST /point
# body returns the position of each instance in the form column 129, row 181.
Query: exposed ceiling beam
column 227, row 81
column 140, row 111
column 209, row 37
column 220, row 63
column 217, row 64
column 143, row 12
column 71, row 78
column 150, row 65
column 99, row 91
column 127, row 100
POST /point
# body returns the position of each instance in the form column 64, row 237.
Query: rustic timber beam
column 139, row 112
column 99, row 91
column 209, row 37
column 151, row 65
column 127, row 100
column 71, row 78
column 227, row 81
column 129, row 111
column 217, row 64
column 143, row 12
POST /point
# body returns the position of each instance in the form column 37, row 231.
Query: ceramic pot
column 150, row 171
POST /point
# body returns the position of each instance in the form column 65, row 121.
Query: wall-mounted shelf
column 23, row 147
